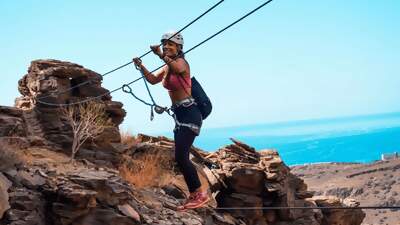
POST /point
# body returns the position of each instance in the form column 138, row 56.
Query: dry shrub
column 147, row 171
column 9, row 157
column 128, row 139
column 87, row 121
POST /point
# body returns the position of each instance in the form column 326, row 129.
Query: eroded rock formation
column 37, row 117
column 48, row 189
column 239, row 176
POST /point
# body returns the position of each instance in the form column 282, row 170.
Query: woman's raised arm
column 152, row 78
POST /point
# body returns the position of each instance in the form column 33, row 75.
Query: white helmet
column 178, row 38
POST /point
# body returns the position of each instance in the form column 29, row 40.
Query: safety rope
column 191, row 49
column 127, row 89
column 212, row 36
column 128, row 63
column 88, row 99
column 153, row 106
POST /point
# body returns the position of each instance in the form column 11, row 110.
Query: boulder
column 11, row 122
column 238, row 200
column 27, row 207
column 261, row 179
column 5, row 184
column 247, row 180
column 339, row 216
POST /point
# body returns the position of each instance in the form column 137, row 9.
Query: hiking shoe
column 190, row 198
column 197, row 200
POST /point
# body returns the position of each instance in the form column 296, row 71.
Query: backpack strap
column 179, row 78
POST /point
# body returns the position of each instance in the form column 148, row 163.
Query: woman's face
column 170, row 48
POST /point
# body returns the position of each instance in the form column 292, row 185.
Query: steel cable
column 126, row 64
column 191, row 49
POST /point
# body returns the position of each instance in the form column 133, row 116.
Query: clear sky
column 291, row 60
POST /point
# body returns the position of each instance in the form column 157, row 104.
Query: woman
column 175, row 77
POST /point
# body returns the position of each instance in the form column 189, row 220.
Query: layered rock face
column 12, row 127
column 261, row 179
column 241, row 177
column 49, row 189
column 37, row 117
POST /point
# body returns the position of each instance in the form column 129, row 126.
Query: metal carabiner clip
column 159, row 109
column 151, row 114
column 126, row 88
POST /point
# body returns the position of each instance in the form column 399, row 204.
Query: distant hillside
column 375, row 184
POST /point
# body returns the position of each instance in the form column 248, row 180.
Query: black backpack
column 200, row 97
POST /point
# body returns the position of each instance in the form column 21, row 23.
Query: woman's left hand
column 137, row 62
column 156, row 50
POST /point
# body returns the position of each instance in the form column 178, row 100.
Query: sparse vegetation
column 147, row 171
column 87, row 120
column 128, row 139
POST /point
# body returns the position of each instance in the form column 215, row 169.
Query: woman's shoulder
column 181, row 60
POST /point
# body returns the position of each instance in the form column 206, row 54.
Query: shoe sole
column 183, row 209
column 198, row 206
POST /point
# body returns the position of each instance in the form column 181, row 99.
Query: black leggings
column 184, row 138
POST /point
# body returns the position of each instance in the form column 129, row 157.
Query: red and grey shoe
column 182, row 207
column 198, row 200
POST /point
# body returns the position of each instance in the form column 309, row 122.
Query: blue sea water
column 350, row 139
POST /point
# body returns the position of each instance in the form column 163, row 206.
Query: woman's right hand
column 156, row 50
column 137, row 62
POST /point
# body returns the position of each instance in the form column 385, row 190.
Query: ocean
column 358, row 139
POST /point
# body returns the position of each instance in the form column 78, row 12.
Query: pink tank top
column 174, row 82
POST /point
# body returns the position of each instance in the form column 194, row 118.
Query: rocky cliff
column 37, row 118
column 105, row 185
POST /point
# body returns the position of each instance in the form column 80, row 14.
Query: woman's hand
column 156, row 50
column 137, row 62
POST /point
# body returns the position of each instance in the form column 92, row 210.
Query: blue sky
column 292, row 60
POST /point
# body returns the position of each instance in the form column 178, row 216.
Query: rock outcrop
column 249, row 187
column 5, row 184
column 37, row 117
column 51, row 190
column 241, row 177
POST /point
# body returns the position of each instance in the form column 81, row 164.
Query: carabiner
column 125, row 90
column 159, row 109
column 151, row 114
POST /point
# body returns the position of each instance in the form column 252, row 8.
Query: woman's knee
column 182, row 159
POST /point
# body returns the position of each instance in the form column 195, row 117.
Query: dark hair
column 181, row 54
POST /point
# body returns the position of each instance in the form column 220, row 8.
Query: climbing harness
column 187, row 102
column 199, row 96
